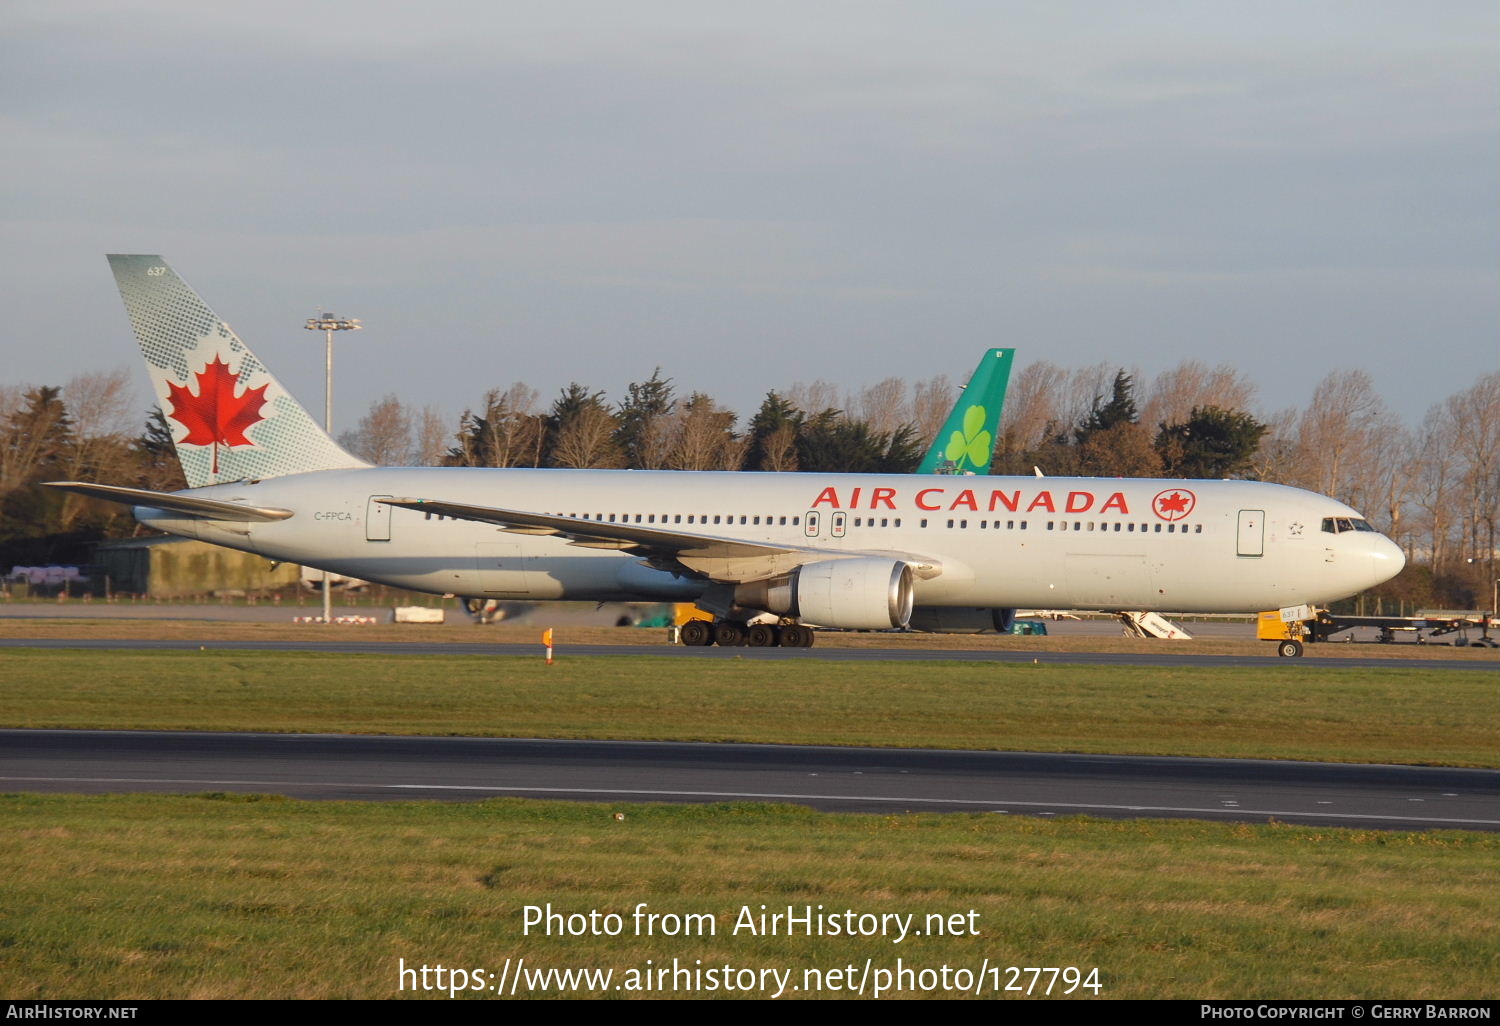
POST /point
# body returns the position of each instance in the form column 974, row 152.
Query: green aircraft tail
column 966, row 443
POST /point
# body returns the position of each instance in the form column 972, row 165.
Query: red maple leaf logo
column 1174, row 503
column 216, row 416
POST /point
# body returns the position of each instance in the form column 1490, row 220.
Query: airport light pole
column 329, row 323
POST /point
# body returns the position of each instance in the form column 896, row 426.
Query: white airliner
column 834, row 550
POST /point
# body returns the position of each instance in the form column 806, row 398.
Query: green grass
column 1282, row 711
column 230, row 896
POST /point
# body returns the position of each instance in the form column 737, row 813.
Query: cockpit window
column 1339, row 525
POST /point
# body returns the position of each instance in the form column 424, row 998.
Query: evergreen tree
column 641, row 432
column 773, row 435
column 581, row 430
column 832, row 443
column 1121, row 409
column 155, row 456
column 1211, row 443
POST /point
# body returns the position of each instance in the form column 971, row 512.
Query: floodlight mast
column 329, row 323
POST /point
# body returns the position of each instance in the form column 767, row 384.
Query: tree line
column 1433, row 487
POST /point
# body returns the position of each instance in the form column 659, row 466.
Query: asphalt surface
column 321, row 766
column 1164, row 656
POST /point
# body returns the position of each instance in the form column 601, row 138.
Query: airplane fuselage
column 1083, row 543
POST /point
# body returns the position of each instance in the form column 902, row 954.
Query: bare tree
column 100, row 405
column 1338, row 435
column 36, row 432
column 1435, row 466
column 779, row 449
column 585, row 441
column 813, row 398
column 432, row 438
column 507, row 432
column 1474, row 415
column 1175, row 393
column 930, row 402
column 705, row 437
column 883, row 405
column 1032, row 408
column 384, row 434
column 1279, row 457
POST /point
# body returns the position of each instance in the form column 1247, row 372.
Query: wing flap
column 721, row 559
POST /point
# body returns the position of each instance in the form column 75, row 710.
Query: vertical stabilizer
column 966, row 443
column 230, row 418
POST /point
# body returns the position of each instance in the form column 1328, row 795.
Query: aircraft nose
column 1386, row 559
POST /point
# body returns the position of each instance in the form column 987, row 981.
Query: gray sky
column 754, row 194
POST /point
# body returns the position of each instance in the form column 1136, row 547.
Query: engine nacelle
column 868, row 593
column 962, row 620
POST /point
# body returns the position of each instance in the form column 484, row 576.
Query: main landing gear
column 698, row 633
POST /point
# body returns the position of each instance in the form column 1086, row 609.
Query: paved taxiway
column 325, row 766
column 1164, row 656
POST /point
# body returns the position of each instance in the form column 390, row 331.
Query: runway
column 1164, row 656
column 323, row 766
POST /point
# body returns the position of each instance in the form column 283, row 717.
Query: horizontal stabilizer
column 174, row 502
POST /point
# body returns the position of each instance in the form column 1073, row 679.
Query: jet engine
column 962, row 620
column 867, row 593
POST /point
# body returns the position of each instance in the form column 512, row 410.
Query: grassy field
column 230, row 896
column 460, row 632
column 226, row 896
column 1284, row 710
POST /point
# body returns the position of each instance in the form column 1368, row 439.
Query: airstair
column 1149, row 625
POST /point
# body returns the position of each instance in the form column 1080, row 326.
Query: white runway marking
column 740, row 795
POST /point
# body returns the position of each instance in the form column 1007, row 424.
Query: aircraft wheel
column 697, row 633
column 1289, row 649
column 729, row 635
column 762, row 635
column 796, row 636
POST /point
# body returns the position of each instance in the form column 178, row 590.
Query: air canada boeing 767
column 856, row 551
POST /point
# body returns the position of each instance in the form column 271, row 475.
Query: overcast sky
column 753, row 194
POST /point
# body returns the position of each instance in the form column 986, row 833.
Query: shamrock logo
column 972, row 447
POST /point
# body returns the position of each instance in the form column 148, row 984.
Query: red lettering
column 1080, row 502
column 1042, row 501
column 1010, row 502
column 1115, row 501
column 829, row 496
column 927, row 491
column 854, row 499
column 965, row 499
column 885, row 495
